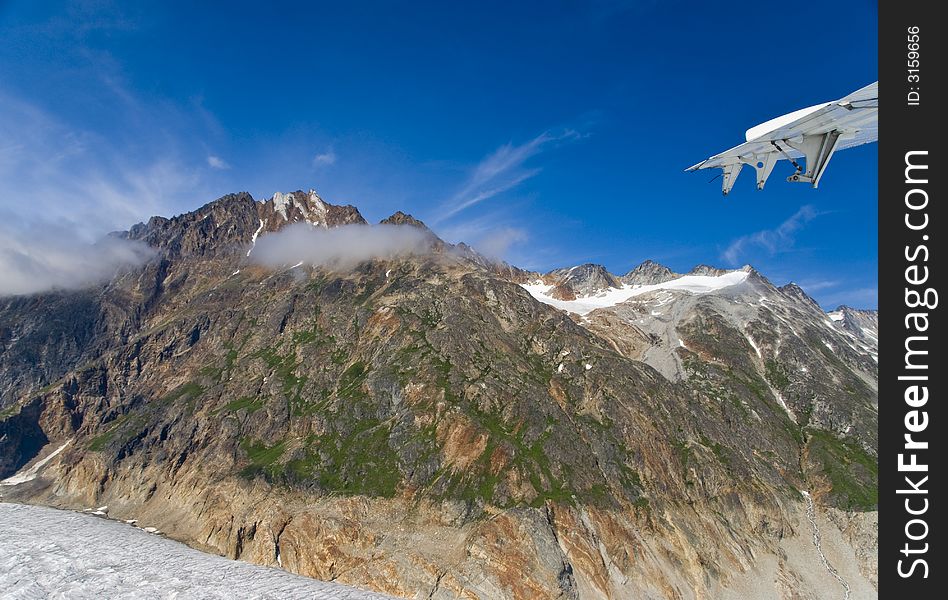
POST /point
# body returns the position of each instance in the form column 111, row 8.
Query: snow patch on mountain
column 312, row 207
column 253, row 240
column 30, row 473
column 754, row 346
column 693, row 284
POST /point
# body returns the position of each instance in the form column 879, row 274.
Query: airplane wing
column 813, row 133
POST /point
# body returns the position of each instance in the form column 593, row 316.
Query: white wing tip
column 696, row 167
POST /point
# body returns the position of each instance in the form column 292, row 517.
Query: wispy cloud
column 498, row 234
column 819, row 285
column 340, row 247
column 491, row 234
column 62, row 188
column 216, row 162
column 771, row 241
column 326, row 158
column 502, row 170
column 56, row 172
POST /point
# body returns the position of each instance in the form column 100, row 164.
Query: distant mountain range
column 429, row 423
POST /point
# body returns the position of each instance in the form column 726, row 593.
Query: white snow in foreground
column 49, row 553
column 836, row 315
column 695, row 284
column 31, row 473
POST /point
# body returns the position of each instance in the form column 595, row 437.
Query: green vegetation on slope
column 852, row 472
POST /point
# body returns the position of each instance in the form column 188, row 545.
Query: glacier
column 51, row 553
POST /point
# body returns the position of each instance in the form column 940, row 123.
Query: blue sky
column 547, row 133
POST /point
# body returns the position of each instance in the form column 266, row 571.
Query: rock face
column 708, row 271
column 427, row 428
column 648, row 273
column 861, row 324
column 582, row 280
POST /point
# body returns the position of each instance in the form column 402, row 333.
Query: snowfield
column 695, row 284
column 49, row 553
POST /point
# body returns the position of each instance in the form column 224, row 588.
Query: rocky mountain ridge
column 428, row 427
column 862, row 324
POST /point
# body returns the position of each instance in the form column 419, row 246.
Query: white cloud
column 40, row 257
column 216, row 162
column 500, row 171
column 324, row 158
column 772, row 241
column 340, row 247
column 490, row 234
column 497, row 243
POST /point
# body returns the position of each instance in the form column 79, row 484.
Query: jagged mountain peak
column 234, row 221
column 842, row 308
column 649, row 273
column 581, row 280
column 796, row 292
column 436, row 244
column 863, row 324
column 218, row 226
column 307, row 207
column 582, row 270
column 401, row 218
column 756, row 276
column 226, row 205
